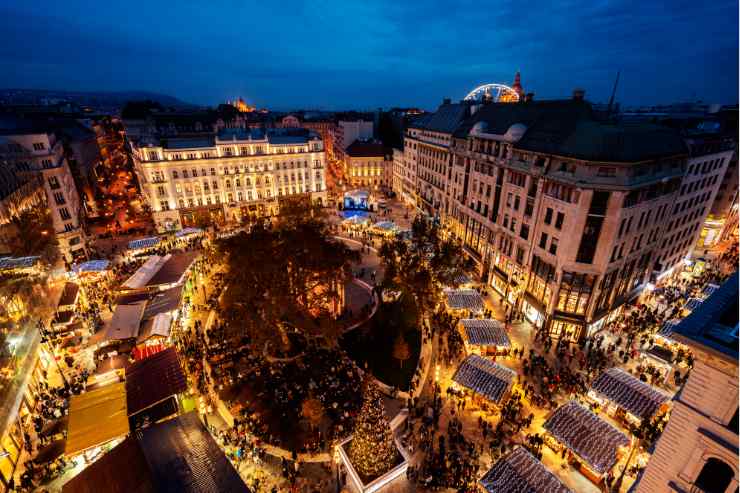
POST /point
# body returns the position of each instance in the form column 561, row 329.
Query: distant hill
column 101, row 100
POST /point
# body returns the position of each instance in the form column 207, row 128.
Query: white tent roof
column 125, row 322
column 144, row 273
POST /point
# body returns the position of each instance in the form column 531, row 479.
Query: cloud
column 332, row 53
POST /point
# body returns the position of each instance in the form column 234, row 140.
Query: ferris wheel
column 500, row 93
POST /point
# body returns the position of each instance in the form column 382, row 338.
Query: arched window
column 714, row 477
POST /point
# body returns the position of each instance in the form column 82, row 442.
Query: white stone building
column 698, row 450
column 228, row 175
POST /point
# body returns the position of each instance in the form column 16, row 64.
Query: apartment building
column 368, row 164
column 348, row 131
column 698, row 449
column 427, row 150
column 40, row 152
column 227, row 175
column 568, row 216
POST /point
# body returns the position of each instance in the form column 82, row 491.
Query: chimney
column 446, row 101
column 579, row 94
column 529, row 97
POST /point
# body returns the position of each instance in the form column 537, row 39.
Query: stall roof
column 96, row 417
column 520, row 472
column 69, row 294
column 91, row 266
column 153, row 379
column 105, row 473
column 174, row 269
column 9, row 263
column 464, row 299
column 143, row 274
column 157, row 326
column 485, row 332
column 630, row 393
column 484, row 377
column 63, row 317
column 188, row 231
column 589, row 436
column 172, row 456
column 183, row 456
column 125, row 322
column 144, row 243
column 165, row 301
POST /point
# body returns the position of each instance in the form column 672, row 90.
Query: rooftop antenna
column 614, row 91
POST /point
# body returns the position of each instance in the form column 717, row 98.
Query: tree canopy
column 421, row 264
column 289, row 269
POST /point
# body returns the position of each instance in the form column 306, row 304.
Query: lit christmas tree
column 372, row 450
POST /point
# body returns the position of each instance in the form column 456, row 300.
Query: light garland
column 589, row 436
column 630, row 393
column 484, row 377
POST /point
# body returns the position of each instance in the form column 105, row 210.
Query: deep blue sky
column 337, row 54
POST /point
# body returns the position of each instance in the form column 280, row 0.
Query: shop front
column 567, row 328
column 533, row 311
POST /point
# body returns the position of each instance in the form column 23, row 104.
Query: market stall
column 626, row 397
column 484, row 378
column 96, row 418
column 464, row 300
column 484, row 336
column 519, row 472
column 593, row 444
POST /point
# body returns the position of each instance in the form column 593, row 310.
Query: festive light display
column 372, row 450
column 520, row 472
column 485, row 332
column 484, row 377
column 464, row 299
column 628, row 392
column 589, row 436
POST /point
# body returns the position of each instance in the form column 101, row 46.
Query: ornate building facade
column 228, row 175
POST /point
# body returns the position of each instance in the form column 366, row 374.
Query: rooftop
column 714, row 323
column 445, row 120
column 630, row 393
column 586, row 434
column 484, row 377
column 485, row 332
column 153, row 379
column 361, row 148
column 568, row 128
column 520, row 472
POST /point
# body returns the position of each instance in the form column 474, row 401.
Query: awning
column 91, row 266
column 96, row 417
column 125, row 322
column 144, row 243
column 144, row 273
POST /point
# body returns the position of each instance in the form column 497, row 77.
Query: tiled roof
column 485, row 332
column 520, row 472
column 445, row 120
column 183, row 456
column 484, row 377
column 568, row 128
column 69, row 294
column 153, row 379
column 629, row 393
column 589, row 436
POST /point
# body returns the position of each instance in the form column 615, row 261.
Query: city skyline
column 364, row 56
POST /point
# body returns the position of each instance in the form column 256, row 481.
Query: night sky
column 334, row 54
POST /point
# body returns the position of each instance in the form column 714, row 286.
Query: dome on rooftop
column 515, row 132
